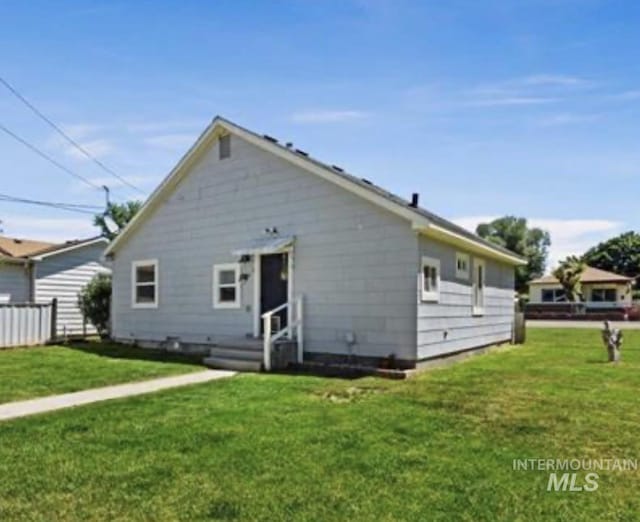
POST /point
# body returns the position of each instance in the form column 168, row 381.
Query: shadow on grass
column 122, row 351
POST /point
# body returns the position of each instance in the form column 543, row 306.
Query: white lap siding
column 63, row 276
column 449, row 325
column 354, row 262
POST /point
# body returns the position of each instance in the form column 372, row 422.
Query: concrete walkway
column 12, row 410
column 622, row 325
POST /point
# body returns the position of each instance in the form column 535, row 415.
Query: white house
column 600, row 289
column 38, row 271
column 249, row 242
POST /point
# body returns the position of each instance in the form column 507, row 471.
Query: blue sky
column 484, row 107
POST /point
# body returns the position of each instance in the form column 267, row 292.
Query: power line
column 67, row 137
column 28, row 200
column 35, row 149
column 72, row 207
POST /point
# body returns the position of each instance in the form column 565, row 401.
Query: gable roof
column 421, row 220
column 590, row 275
column 25, row 249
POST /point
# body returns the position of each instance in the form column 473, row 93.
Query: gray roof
column 368, row 185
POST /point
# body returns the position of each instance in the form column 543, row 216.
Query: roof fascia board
column 442, row 234
column 75, row 246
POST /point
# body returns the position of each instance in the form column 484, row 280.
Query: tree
column 620, row 254
column 568, row 275
column 94, row 302
column 513, row 234
column 116, row 217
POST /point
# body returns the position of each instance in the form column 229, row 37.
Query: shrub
column 95, row 302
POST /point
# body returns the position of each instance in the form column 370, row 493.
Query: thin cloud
column 553, row 80
column 558, row 120
column 568, row 236
column 48, row 229
column 505, row 101
column 85, row 135
column 328, row 116
column 628, row 95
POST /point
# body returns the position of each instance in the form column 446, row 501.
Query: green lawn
column 26, row 373
column 269, row 447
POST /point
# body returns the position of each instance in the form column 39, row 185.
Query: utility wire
column 59, row 206
column 48, row 158
column 73, row 142
column 7, row 197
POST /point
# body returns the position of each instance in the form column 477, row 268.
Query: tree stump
column 612, row 338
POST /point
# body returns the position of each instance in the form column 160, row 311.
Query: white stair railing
column 293, row 330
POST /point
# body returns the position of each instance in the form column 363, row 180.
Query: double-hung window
column 479, row 281
column 144, row 284
column 226, row 285
column 430, row 279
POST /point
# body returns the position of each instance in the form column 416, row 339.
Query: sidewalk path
column 12, row 410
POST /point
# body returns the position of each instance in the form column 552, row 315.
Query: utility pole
column 107, row 199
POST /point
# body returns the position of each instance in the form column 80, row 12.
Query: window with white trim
column 144, row 284
column 479, row 281
column 430, row 279
column 462, row 266
column 226, row 285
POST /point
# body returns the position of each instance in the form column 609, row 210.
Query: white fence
column 27, row 324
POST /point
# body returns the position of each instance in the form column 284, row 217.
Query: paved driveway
column 622, row 325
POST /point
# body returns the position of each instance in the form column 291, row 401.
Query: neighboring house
column 36, row 271
column 602, row 292
column 244, row 225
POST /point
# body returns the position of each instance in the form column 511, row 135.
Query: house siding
column 354, row 262
column 63, row 276
column 14, row 282
column 449, row 325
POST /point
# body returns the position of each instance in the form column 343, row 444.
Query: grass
column 273, row 447
column 26, row 373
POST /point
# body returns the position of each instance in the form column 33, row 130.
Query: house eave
column 477, row 247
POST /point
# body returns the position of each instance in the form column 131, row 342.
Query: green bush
column 95, row 303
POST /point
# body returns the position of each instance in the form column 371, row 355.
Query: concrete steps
column 242, row 355
column 246, row 355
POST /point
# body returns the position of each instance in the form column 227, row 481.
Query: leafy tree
column 94, row 302
column 513, row 234
column 116, row 217
column 620, row 254
column 568, row 275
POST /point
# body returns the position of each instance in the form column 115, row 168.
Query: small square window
column 224, row 144
column 462, row 266
column 430, row 279
column 144, row 284
column 226, row 286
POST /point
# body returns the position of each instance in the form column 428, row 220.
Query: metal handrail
column 270, row 337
